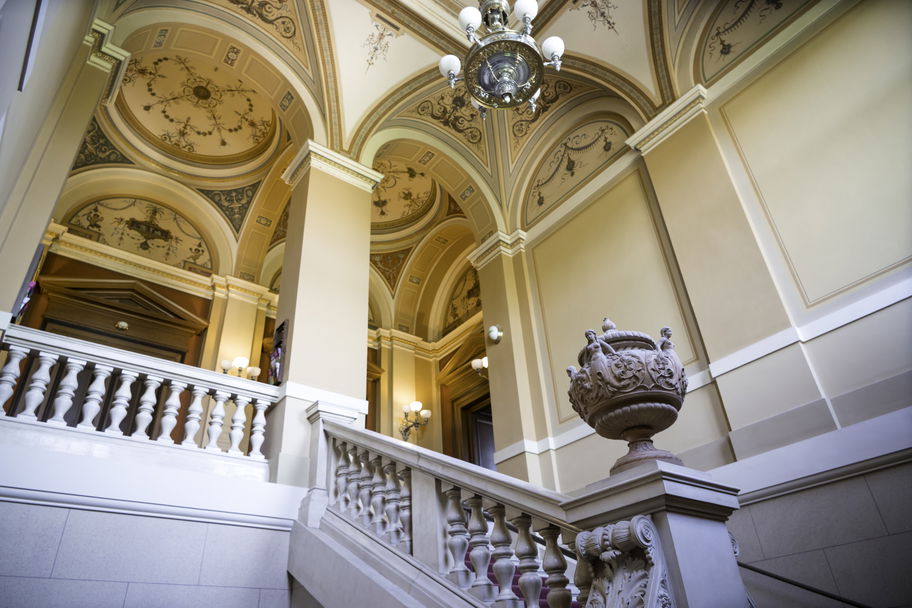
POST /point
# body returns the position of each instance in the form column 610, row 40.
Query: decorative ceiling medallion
column 191, row 109
column 403, row 196
column 97, row 149
column 233, row 203
column 571, row 163
column 145, row 228
column 390, row 264
column 598, row 12
column 464, row 300
column 740, row 26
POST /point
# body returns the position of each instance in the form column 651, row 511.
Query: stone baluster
column 237, row 424
column 554, row 564
column 216, row 419
column 377, row 497
column 480, row 553
column 194, row 415
column 504, row 568
column 392, row 496
column 120, row 402
column 364, row 489
column 258, row 429
column 147, row 403
column 65, row 391
column 94, row 394
column 405, row 510
column 530, row 582
column 458, row 543
column 340, row 498
column 10, row 373
column 38, row 385
column 169, row 417
column 352, row 475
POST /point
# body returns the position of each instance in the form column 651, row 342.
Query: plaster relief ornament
column 629, row 387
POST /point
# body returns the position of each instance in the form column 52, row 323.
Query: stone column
column 212, row 345
column 243, row 318
column 30, row 183
column 743, row 322
column 516, row 395
column 323, row 301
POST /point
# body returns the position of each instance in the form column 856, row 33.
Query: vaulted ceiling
column 219, row 94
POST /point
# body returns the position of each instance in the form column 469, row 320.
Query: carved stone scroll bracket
column 627, row 565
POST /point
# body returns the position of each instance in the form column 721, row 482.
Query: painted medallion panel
column 195, row 109
column 464, row 301
column 145, row 228
column 404, row 195
column 572, row 162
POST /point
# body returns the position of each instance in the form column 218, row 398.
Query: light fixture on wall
column 504, row 68
column 240, row 366
column 414, row 415
column 495, row 334
column 480, row 366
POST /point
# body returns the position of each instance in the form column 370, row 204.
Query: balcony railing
column 78, row 386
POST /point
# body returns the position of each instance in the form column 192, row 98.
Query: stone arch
column 380, row 300
column 134, row 20
column 131, row 181
column 479, row 203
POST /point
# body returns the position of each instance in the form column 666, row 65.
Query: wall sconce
column 240, row 366
column 495, row 333
column 480, row 366
column 413, row 417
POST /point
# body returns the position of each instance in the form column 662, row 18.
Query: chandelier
column 504, row 68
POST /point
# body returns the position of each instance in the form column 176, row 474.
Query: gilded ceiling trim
column 386, row 107
column 332, row 92
column 618, row 83
column 660, row 64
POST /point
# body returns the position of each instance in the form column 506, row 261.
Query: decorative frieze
column 313, row 155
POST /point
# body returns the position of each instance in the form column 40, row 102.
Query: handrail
column 34, row 339
column 800, row 585
column 535, row 501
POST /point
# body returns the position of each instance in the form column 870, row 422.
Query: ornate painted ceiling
column 219, row 95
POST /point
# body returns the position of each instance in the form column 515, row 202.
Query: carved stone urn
column 629, row 387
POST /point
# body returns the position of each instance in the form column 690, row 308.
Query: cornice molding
column 106, row 56
column 316, row 156
column 498, row 244
column 669, row 120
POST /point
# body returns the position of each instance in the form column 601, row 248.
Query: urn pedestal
column 629, row 387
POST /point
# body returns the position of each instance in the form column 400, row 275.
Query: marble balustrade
column 85, row 387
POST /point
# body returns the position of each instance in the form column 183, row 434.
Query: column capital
column 669, row 120
column 497, row 244
column 313, row 155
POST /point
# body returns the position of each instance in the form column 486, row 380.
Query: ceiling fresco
column 219, row 94
column 195, row 110
column 145, row 228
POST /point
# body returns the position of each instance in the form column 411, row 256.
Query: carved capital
column 496, row 245
column 669, row 120
column 626, row 564
column 106, row 56
column 314, row 156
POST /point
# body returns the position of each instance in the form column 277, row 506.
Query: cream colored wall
column 787, row 207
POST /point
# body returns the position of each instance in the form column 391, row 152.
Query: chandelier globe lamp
column 504, row 68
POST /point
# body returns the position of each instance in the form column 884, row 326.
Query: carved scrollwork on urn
column 626, row 566
column 629, row 387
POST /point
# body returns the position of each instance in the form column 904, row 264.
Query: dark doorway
column 478, row 426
